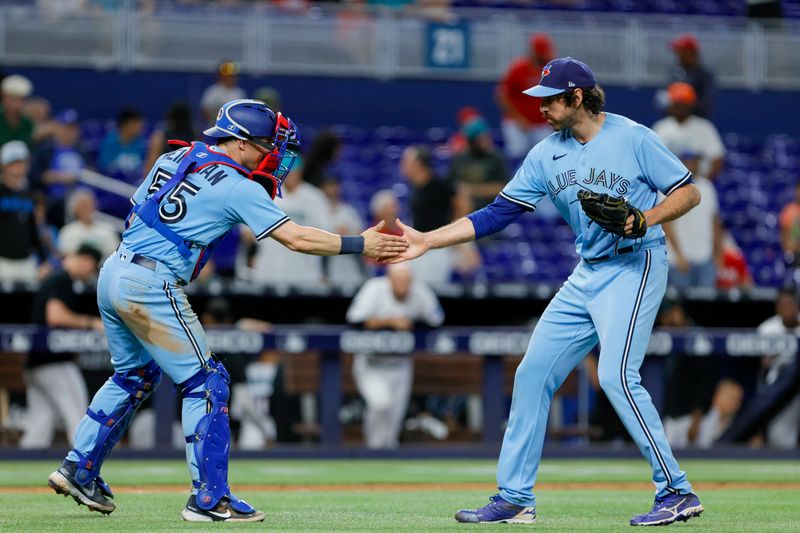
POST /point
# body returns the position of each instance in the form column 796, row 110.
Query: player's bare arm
column 674, row 206
column 315, row 241
column 457, row 232
column 58, row 315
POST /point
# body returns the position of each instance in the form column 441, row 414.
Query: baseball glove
column 611, row 213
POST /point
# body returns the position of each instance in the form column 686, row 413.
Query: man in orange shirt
column 523, row 123
column 789, row 220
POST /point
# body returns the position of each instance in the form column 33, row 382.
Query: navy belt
column 626, row 250
column 621, row 251
column 144, row 261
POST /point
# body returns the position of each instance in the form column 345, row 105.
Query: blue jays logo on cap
column 560, row 75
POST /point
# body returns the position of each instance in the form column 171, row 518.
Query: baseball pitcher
column 603, row 172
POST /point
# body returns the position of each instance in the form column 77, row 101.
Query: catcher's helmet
column 255, row 122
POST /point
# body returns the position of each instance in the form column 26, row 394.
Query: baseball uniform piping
column 623, row 377
column 185, row 327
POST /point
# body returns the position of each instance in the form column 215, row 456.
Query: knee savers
column 139, row 384
column 212, row 437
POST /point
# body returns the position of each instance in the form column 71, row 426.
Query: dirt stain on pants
column 146, row 329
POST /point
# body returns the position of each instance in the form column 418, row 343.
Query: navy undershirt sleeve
column 495, row 216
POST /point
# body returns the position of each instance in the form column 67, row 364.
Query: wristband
column 352, row 245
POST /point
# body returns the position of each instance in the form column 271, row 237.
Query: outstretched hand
column 382, row 246
column 416, row 244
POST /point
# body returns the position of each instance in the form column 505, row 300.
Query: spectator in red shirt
column 733, row 271
column 523, row 123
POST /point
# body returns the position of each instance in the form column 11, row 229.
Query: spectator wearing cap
column 21, row 239
column 56, row 390
column 122, row 152
column 684, row 132
column 14, row 125
column 85, row 229
column 457, row 143
column 57, row 163
column 480, row 170
column 695, row 239
column 224, row 90
column 690, row 70
column 523, row 123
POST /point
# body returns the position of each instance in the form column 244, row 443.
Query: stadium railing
column 490, row 344
column 631, row 49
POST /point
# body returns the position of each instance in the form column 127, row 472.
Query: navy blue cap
column 67, row 116
column 560, row 75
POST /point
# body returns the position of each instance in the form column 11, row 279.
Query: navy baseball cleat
column 222, row 512
column 498, row 511
column 94, row 495
column 669, row 509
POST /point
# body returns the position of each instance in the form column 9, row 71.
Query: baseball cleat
column 222, row 512
column 92, row 495
column 669, row 509
column 498, row 511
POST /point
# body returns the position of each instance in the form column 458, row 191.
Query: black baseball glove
column 611, row 213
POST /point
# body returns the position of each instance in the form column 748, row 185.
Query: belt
column 623, row 251
column 144, row 261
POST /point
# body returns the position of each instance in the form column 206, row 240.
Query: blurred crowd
column 55, row 237
column 51, row 208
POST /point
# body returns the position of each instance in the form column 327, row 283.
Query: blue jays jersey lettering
column 201, row 208
column 624, row 159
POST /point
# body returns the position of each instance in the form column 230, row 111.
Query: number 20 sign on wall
column 448, row 45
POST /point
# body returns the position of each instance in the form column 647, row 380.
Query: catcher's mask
column 280, row 157
column 253, row 121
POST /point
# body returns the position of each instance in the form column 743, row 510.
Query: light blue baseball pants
column 146, row 317
column 614, row 302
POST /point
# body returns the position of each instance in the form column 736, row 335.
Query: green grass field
column 406, row 495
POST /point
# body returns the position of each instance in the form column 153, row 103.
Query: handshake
column 388, row 248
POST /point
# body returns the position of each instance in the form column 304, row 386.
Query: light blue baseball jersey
column 624, row 159
column 203, row 206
